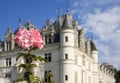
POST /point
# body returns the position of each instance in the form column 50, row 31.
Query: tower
column 94, row 55
column 67, row 51
column 8, row 40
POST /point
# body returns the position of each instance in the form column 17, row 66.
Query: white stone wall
column 67, row 67
column 79, row 67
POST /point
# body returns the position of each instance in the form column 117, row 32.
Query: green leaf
column 27, row 66
column 40, row 58
column 32, row 77
column 34, row 57
column 21, row 55
column 35, row 79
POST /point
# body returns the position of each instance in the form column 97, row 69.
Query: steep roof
column 67, row 23
column 93, row 47
column 58, row 23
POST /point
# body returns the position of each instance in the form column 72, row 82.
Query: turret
column 94, row 55
column 94, row 52
column 67, row 51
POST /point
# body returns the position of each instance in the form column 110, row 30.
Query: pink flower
column 36, row 38
column 27, row 39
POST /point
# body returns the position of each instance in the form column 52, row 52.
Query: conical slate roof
column 67, row 22
column 93, row 47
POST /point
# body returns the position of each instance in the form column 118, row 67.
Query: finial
column 67, row 9
column 19, row 21
column 58, row 11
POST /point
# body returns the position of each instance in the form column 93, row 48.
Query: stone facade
column 71, row 57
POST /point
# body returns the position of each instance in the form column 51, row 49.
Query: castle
column 71, row 57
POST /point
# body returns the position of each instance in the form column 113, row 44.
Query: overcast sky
column 99, row 18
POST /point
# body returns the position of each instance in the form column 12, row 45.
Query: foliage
column 28, row 67
column 29, row 40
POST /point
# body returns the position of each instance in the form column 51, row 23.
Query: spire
column 67, row 9
column 58, row 12
column 19, row 19
column 19, row 22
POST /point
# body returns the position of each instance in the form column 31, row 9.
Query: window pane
column 66, row 77
column 46, row 56
column 66, row 56
column 66, row 39
column 49, row 58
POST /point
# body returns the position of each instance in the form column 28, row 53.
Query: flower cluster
column 27, row 39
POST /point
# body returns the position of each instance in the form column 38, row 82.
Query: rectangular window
column 66, row 39
column 48, row 57
column 66, row 77
column 66, row 56
column 7, row 45
column 10, row 48
column 46, row 39
column 50, row 39
column 7, row 75
column 8, row 61
column 47, row 77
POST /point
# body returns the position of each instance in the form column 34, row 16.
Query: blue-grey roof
column 58, row 23
column 93, row 47
column 67, row 23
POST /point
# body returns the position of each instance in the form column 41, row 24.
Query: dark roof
column 67, row 23
column 58, row 23
column 93, row 47
column 17, row 30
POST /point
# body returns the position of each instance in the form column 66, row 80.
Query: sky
column 99, row 18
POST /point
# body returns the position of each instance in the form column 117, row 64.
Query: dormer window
column 8, row 46
column 48, row 39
